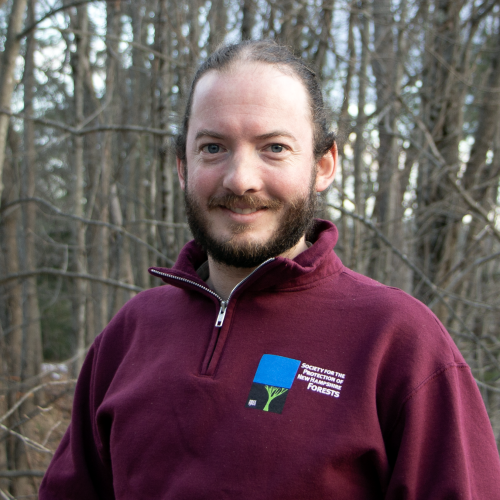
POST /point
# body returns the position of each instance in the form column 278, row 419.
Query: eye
column 276, row 148
column 211, row 148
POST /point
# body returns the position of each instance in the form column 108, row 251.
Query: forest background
column 91, row 94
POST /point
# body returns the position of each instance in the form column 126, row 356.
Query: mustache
column 251, row 201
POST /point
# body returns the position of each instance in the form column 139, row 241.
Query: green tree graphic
column 273, row 393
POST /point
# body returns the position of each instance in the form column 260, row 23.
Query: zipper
column 223, row 303
column 222, row 313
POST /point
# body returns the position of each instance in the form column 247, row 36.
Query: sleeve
column 80, row 469
column 442, row 446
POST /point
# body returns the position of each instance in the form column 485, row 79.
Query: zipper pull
column 222, row 313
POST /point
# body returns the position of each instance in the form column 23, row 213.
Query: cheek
column 289, row 186
column 202, row 182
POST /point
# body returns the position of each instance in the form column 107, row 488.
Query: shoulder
column 392, row 310
column 149, row 298
column 147, row 304
column 143, row 315
column 406, row 340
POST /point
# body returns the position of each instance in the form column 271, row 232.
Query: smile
column 244, row 211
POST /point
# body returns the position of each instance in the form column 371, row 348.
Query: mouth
column 244, row 205
column 243, row 211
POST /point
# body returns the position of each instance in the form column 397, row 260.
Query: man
column 267, row 370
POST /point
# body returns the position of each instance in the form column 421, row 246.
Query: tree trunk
column 14, row 334
column 384, row 69
column 248, row 20
column 32, row 331
column 81, row 24
column 326, row 18
column 344, row 128
column 443, row 98
column 217, row 19
column 32, row 342
column 12, row 45
column 140, row 172
column 286, row 35
column 166, row 162
column 476, row 172
column 125, row 273
column 113, row 23
column 359, row 146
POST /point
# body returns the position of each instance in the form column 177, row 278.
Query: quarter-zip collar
column 308, row 267
column 173, row 278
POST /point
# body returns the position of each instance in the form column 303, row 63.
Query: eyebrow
column 205, row 132
column 276, row 133
column 269, row 135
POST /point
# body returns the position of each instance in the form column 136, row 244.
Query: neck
column 224, row 278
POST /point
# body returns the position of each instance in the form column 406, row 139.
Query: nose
column 243, row 175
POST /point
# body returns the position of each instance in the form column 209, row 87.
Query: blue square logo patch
column 273, row 379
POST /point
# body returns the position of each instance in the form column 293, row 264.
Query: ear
column 326, row 169
column 181, row 171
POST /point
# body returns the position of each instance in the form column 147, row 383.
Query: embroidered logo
column 272, row 381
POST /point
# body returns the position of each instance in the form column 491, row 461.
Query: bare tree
column 91, row 197
column 7, row 81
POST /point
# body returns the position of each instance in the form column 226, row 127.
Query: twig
column 31, row 27
column 114, row 227
column 30, row 393
column 454, row 72
column 51, row 430
column 106, row 36
column 474, row 205
column 89, row 130
column 428, row 136
column 37, row 411
column 156, row 223
column 486, row 386
column 22, row 473
column 27, row 441
column 21, row 386
column 458, row 278
column 395, row 250
column 57, row 272
column 6, row 496
column 471, row 303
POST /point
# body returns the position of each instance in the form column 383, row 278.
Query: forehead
column 251, row 94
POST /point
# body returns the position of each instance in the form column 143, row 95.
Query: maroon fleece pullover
column 318, row 383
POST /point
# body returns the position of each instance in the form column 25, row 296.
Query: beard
column 297, row 218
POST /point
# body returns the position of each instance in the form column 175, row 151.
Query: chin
column 247, row 245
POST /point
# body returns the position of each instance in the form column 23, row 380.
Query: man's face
column 249, row 177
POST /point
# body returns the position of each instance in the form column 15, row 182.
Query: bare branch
column 486, row 386
column 430, row 140
column 21, row 386
column 459, row 277
column 475, row 206
column 31, row 392
column 67, row 274
column 156, row 223
column 52, row 12
column 27, row 441
column 90, row 130
column 22, row 473
column 37, row 411
column 6, row 496
column 140, row 46
column 454, row 72
column 114, row 227
column 50, row 431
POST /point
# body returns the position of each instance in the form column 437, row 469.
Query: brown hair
column 268, row 52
